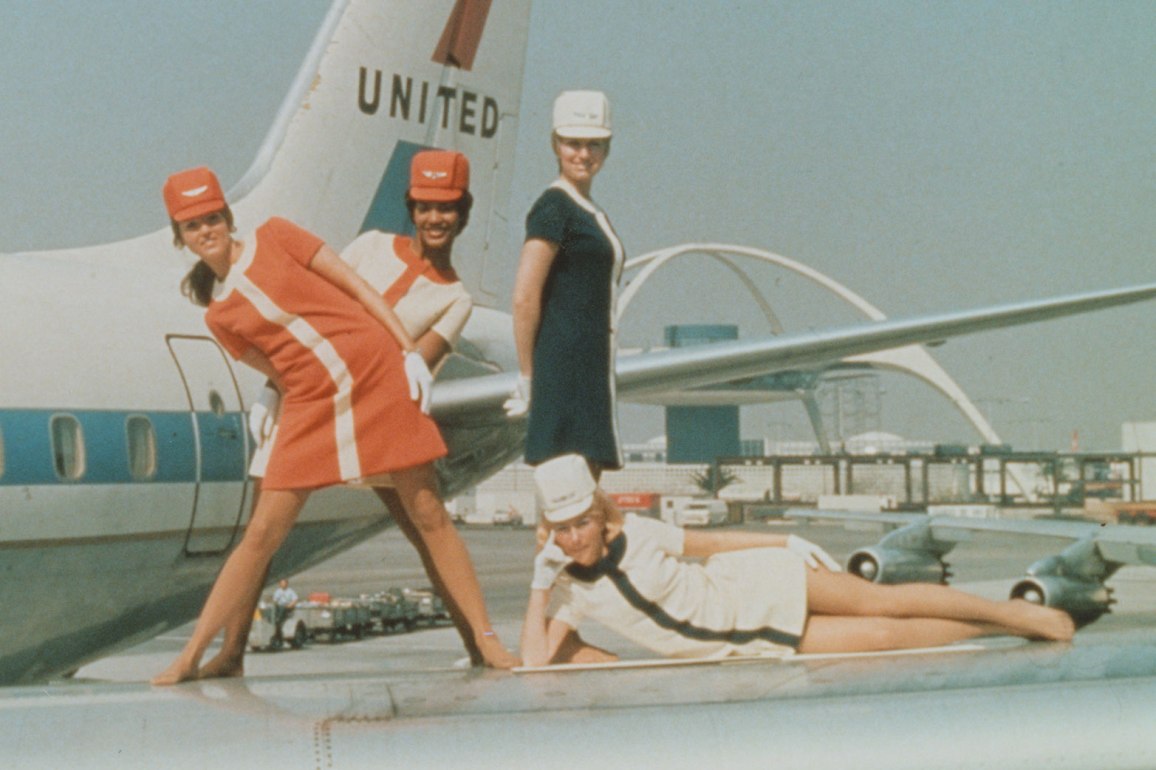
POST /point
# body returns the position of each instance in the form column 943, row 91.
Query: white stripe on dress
column 348, row 462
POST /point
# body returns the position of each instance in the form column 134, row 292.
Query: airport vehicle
column 330, row 618
column 686, row 511
column 123, row 438
column 642, row 503
column 1142, row 513
column 390, row 611
column 263, row 633
column 504, row 509
column 430, row 609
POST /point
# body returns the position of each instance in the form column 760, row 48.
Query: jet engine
column 891, row 565
column 910, row 554
column 1084, row 600
column 1072, row 580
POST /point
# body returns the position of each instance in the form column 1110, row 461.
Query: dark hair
column 462, row 204
column 197, row 284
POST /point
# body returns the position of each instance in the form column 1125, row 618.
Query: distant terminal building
column 700, row 433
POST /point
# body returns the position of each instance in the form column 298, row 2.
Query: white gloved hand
column 548, row 564
column 811, row 554
column 519, row 401
column 263, row 414
column 419, row 378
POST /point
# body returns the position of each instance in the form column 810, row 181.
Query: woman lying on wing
column 755, row 593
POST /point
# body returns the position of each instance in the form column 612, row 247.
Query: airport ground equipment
column 687, row 511
column 263, row 633
column 331, row 619
column 1141, row 513
column 431, row 610
column 391, row 611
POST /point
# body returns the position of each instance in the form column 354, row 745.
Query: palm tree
column 714, row 479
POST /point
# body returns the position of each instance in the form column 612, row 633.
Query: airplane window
column 216, row 403
column 142, row 448
column 1, row 452
column 68, row 447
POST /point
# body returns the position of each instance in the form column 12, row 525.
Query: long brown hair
column 198, row 283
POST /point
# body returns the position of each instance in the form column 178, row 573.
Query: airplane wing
column 1072, row 579
column 644, row 373
column 1120, row 544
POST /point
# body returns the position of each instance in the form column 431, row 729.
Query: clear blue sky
column 931, row 156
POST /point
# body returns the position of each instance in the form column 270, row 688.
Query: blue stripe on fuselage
column 26, row 451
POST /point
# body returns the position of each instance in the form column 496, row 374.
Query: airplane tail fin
column 383, row 80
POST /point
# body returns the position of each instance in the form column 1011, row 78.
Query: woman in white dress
column 755, row 594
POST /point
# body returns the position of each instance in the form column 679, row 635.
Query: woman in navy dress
column 564, row 299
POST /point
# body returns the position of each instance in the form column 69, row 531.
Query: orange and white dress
column 345, row 412
column 424, row 297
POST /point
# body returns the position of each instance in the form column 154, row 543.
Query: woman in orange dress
column 351, row 379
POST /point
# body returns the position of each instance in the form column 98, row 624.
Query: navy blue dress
column 572, row 402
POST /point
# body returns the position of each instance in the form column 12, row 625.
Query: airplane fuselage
column 123, row 470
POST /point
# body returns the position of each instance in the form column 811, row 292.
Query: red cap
column 192, row 193
column 438, row 175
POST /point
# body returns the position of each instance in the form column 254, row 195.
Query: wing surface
column 721, row 362
column 1121, row 544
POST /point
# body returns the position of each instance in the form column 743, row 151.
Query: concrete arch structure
column 913, row 360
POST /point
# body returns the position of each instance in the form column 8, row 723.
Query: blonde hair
column 603, row 509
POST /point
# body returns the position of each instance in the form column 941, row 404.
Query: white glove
column 419, row 378
column 811, row 554
column 548, row 564
column 263, row 414
column 519, row 401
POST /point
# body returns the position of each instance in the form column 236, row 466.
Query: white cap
column 565, row 487
column 582, row 115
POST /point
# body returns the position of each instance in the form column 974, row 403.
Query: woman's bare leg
column 449, row 559
column 843, row 633
column 841, row 594
column 409, row 529
column 230, row 659
column 275, row 515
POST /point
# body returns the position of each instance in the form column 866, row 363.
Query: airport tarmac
column 987, row 566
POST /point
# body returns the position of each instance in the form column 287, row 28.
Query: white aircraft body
column 123, row 453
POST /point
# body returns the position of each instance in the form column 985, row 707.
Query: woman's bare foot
column 1039, row 622
column 223, row 666
column 179, row 671
column 494, row 654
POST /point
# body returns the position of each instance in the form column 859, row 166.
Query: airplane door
column 222, row 443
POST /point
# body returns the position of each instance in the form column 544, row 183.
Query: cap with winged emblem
column 192, row 193
column 438, row 175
